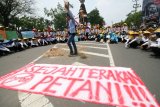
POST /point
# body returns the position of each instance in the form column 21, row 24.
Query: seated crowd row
column 145, row 39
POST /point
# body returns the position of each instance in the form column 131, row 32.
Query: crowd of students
column 15, row 45
column 145, row 39
column 148, row 39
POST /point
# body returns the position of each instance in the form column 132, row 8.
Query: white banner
column 115, row 86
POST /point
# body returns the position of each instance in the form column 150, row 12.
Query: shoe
column 75, row 54
column 127, row 46
column 70, row 55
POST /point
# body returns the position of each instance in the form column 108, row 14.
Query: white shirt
column 87, row 30
column 156, row 43
column 144, row 39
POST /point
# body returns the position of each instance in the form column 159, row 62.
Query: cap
column 150, row 29
column 157, row 31
column 135, row 33
column 146, row 32
column 130, row 32
column 19, row 39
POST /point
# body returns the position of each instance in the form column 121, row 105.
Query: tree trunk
column 5, row 21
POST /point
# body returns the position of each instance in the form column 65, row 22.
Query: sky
column 111, row 10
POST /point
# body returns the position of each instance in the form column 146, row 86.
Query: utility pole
column 136, row 5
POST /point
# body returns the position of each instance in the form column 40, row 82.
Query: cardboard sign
column 105, row 85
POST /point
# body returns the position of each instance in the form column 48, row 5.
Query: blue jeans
column 71, row 44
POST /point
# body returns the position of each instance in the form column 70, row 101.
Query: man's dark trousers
column 71, row 44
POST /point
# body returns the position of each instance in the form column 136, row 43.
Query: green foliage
column 119, row 23
column 95, row 18
column 9, row 9
column 58, row 16
column 134, row 19
column 31, row 22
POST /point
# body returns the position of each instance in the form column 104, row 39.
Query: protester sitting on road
column 9, row 44
column 51, row 39
column 113, row 38
column 24, row 43
column 83, row 34
column 155, row 46
column 108, row 36
column 87, row 32
column 78, row 34
column 39, row 40
column 27, row 41
column 104, row 32
column 105, row 38
column 17, row 45
column 133, row 41
column 92, row 35
column 145, row 40
column 98, row 38
column 101, row 36
column 21, row 44
column 66, row 35
column 63, row 34
column 58, row 33
column 118, row 36
column 123, row 36
column 34, row 42
column 3, row 50
column 43, row 39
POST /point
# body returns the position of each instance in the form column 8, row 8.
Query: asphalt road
column 146, row 66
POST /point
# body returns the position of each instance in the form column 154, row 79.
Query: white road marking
column 38, row 58
column 79, row 64
column 100, row 44
column 96, row 54
column 110, row 56
column 92, row 53
column 87, row 43
column 93, row 47
column 34, row 100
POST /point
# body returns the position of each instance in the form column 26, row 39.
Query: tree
column 30, row 22
column 134, row 19
column 9, row 9
column 95, row 18
column 119, row 23
column 58, row 16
